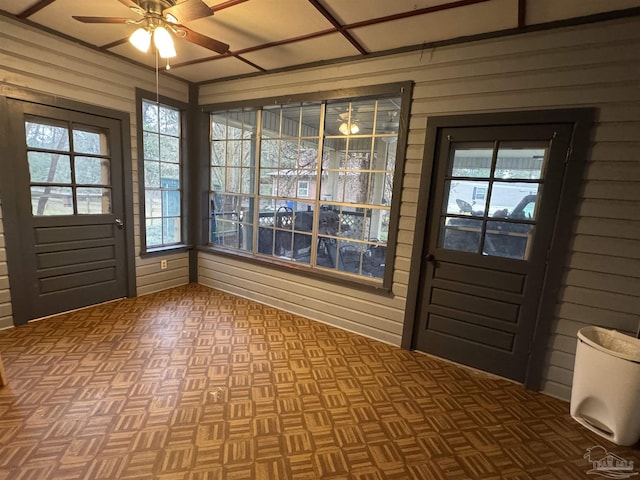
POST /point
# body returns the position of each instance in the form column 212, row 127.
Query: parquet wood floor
column 195, row 384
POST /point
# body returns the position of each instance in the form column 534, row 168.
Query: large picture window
column 161, row 135
column 308, row 183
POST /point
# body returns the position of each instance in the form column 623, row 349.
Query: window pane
column 170, row 230
column 153, row 203
column 511, row 240
column 388, row 116
column 170, row 121
column 362, row 116
column 246, row 185
column 218, row 179
column 327, row 252
column 149, row 116
column 328, row 222
column 46, row 201
column 153, row 229
column 151, row 145
column 218, row 126
column 385, row 153
column 219, row 153
column 378, row 226
column 170, row 175
column 169, row 149
column 92, row 171
column 93, row 200
column 311, row 120
column 49, row 137
column 349, row 257
column 380, row 188
column 171, row 203
column 290, row 121
column 249, row 124
column 465, row 197
column 512, row 200
column 521, row 161
column 234, row 153
column 49, row 167
column 90, row 142
column 373, row 261
column 151, row 174
column 460, row 234
column 471, row 162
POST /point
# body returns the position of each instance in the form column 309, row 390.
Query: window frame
column 401, row 89
column 183, row 245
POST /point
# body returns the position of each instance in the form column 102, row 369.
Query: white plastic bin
column 605, row 396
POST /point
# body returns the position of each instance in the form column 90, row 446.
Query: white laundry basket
column 605, row 396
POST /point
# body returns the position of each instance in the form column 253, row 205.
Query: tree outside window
column 162, row 156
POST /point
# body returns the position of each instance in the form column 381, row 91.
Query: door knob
column 429, row 257
column 119, row 223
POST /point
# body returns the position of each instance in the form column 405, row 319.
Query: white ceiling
column 266, row 35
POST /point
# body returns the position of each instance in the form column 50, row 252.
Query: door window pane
column 505, row 197
column 471, row 162
column 47, row 201
column 511, row 240
column 461, row 197
column 47, row 137
column 90, row 142
column 93, row 200
column 520, row 161
column 92, row 171
column 47, row 167
column 461, row 234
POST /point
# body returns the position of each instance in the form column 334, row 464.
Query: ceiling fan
column 160, row 19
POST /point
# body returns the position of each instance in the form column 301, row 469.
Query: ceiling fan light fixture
column 346, row 128
column 163, row 42
column 141, row 39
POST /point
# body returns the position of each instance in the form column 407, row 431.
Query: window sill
column 363, row 284
column 159, row 251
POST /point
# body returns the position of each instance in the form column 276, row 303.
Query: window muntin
column 162, row 173
column 69, row 168
column 501, row 221
column 318, row 184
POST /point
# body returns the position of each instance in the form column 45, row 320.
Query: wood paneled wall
column 37, row 62
column 596, row 65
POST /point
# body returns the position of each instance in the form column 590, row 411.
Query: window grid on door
column 69, row 168
column 501, row 220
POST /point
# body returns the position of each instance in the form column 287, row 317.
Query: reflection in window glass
column 342, row 168
column 491, row 198
column 511, row 240
column 520, row 161
column 161, row 147
column 472, row 162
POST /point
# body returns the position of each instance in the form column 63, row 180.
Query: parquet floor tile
column 195, row 384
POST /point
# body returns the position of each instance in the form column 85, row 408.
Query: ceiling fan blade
column 129, row 3
column 189, row 10
column 204, row 41
column 101, row 19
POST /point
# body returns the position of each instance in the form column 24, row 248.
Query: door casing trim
column 581, row 119
column 11, row 219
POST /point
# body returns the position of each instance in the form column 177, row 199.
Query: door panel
column 493, row 210
column 69, row 201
